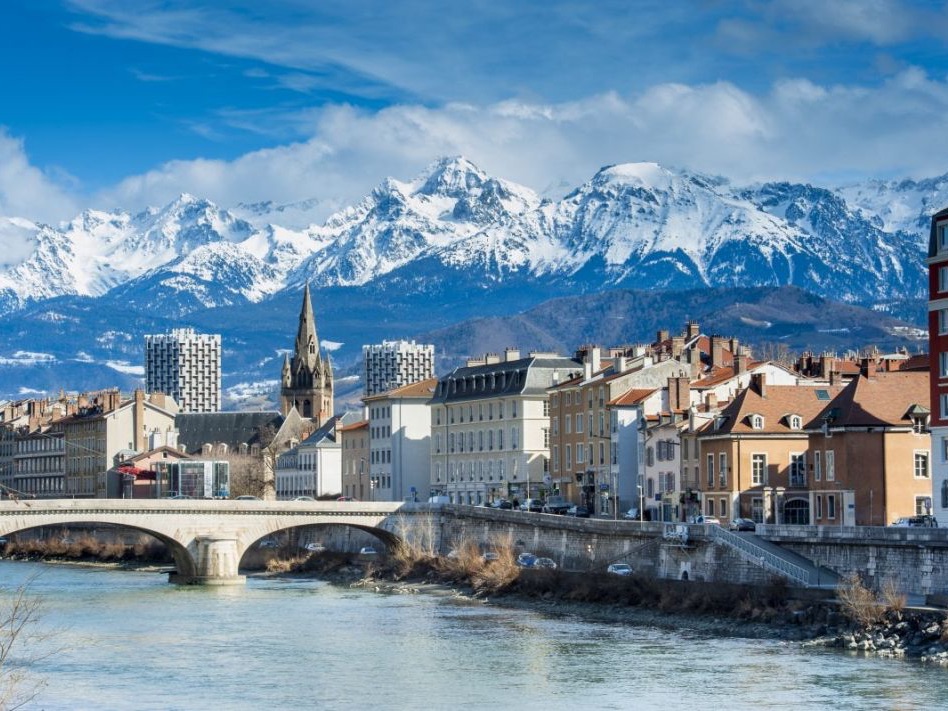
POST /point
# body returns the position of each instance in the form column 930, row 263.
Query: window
column 819, row 507
column 500, row 439
column 490, row 411
column 569, row 456
column 758, row 469
column 546, row 408
column 943, row 405
column 602, row 453
column 556, row 426
column 757, row 509
column 480, row 441
column 831, row 506
column 795, row 422
column 710, row 471
column 722, row 469
column 943, row 364
column 942, row 231
column 650, row 456
column 568, row 422
column 920, row 424
column 724, row 508
column 830, row 465
column 513, row 409
column 944, row 453
column 546, row 438
column 817, row 466
column 650, row 488
column 921, row 465
column 490, row 440
column 556, row 457
column 514, row 438
column 757, row 422
column 942, row 321
column 798, row 469
column 710, row 507
column 580, row 454
column 579, row 422
column 942, row 278
column 922, row 505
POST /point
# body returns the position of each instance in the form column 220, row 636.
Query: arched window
column 796, row 512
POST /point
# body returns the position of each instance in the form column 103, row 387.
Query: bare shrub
column 22, row 644
column 858, row 602
column 464, row 561
column 280, row 564
column 497, row 575
column 893, row 598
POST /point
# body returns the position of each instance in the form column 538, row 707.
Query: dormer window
column 757, row 422
column 795, row 422
column 920, row 424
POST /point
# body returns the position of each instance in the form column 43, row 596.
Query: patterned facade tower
column 307, row 378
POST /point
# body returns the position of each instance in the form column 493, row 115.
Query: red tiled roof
column 633, row 396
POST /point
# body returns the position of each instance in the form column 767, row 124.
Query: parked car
column 489, row 556
column 368, row 551
column 303, row 498
column 742, row 524
column 501, row 504
column 924, row 521
column 706, row 520
column 619, row 569
column 534, row 505
column 346, row 498
column 545, row 563
column 244, row 497
column 632, row 515
column 556, row 505
column 313, row 547
column 578, row 511
column 269, row 543
column 526, row 560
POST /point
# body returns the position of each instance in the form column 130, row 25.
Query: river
column 132, row 641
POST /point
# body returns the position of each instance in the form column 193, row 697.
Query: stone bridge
column 209, row 537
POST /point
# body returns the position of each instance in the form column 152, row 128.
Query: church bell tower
column 307, row 378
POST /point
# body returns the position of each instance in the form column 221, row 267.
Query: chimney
column 511, row 354
column 694, row 358
column 661, row 336
column 619, row 364
column 691, row 330
column 834, row 377
column 138, row 421
column 678, row 346
column 157, row 399
column 827, row 365
column 759, row 383
column 717, row 351
column 740, row 364
column 711, row 401
column 734, row 346
column 867, row 368
column 587, row 369
column 679, row 393
column 491, row 359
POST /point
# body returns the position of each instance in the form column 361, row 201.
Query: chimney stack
column 717, row 351
column 691, row 330
column 661, row 336
column 759, row 383
column 867, row 368
column 679, row 393
column 511, row 354
column 678, row 346
column 740, row 364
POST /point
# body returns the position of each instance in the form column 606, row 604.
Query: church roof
column 195, row 429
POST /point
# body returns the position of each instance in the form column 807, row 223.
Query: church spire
column 307, row 344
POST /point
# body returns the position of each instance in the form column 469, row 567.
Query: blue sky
column 113, row 103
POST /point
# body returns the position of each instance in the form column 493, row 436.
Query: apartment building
column 105, row 429
column 490, row 425
column 400, row 442
column 938, row 350
column 354, row 439
column 186, row 366
column 392, row 364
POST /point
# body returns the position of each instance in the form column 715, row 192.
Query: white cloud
column 25, row 190
column 798, row 130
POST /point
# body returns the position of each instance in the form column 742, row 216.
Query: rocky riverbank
column 915, row 634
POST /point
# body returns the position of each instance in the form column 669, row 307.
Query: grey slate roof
column 524, row 376
column 195, row 429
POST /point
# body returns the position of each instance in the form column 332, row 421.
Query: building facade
column 938, row 364
column 186, row 366
column 354, row 439
column 399, row 442
column 490, row 427
column 307, row 380
column 392, row 364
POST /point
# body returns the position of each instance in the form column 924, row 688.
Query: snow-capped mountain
column 629, row 225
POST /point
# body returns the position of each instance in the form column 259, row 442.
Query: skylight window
column 822, row 394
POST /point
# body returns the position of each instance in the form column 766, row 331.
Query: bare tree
column 22, row 644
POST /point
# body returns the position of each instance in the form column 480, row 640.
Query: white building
column 314, row 466
column 399, row 442
column 187, row 366
column 392, row 364
column 490, row 427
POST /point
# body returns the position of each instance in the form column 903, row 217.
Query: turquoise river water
column 132, row 641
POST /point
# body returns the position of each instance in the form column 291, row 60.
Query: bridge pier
column 215, row 563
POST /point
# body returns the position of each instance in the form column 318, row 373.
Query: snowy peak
column 452, row 177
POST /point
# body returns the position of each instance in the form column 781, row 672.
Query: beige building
column 103, row 431
column 490, row 427
column 354, row 439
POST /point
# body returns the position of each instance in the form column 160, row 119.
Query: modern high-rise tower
column 307, row 378
column 393, row 364
column 186, row 366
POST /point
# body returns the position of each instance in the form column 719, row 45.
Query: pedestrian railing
column 753, row 552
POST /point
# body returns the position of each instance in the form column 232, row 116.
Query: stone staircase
column 794, row 567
